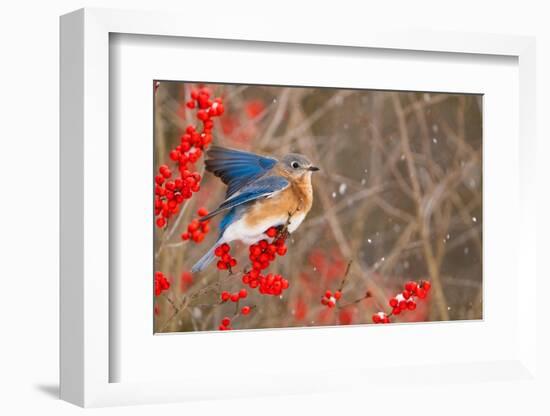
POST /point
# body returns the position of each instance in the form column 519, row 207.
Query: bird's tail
column 206, row 259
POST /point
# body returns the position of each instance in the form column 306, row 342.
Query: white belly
column 250, row 235
column 295, row 221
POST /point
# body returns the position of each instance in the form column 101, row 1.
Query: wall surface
column 29, row 210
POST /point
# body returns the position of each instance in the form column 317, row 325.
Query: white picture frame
column 86, row 353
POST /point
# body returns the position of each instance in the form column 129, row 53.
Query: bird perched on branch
column 262, row 192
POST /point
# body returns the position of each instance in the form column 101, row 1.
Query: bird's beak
column 313, row 168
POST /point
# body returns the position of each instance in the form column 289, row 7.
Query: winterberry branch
column 367, row 295
column 406, row 300
column 171, row 192
column 331, row 300
column 346, row 273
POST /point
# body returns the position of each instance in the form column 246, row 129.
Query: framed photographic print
column 308, row 202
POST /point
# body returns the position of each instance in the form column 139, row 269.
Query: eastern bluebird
column 262, row 192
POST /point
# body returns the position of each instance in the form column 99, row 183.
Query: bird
column 262, row 192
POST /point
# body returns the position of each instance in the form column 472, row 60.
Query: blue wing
column 260, row 188
column 237, row 168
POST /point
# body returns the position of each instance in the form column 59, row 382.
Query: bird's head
column 296, row 166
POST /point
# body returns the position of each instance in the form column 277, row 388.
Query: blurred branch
column 306, row 123
column 423, row 220
column 277, row 117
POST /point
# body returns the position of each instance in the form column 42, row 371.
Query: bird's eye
column 295, row 165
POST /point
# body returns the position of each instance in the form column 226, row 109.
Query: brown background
column 399, row 193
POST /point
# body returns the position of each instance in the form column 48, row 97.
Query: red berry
column 226, row 321
column 225, row 296
column 161, row 222
column 175, row 155
column 193, row 226
column 202, row 115
column 243, row 293
column 245, row 310
column 202, row 212
column 337, row 295
column 281, row 251
column 411, row 286
column 234, row 297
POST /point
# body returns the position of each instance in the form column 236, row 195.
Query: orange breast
column 296, row 198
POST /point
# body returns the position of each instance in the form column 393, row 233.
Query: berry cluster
column 329, row 299
column 208, row 108
column 263, row 252
column 226, row 262
column 380, row 318
column 225, row 324
column 197, row 230
column 406, row 300
column 271, row 284
column 171, row 192
column 234, row 297
column 261, row 255
column 161, row 283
